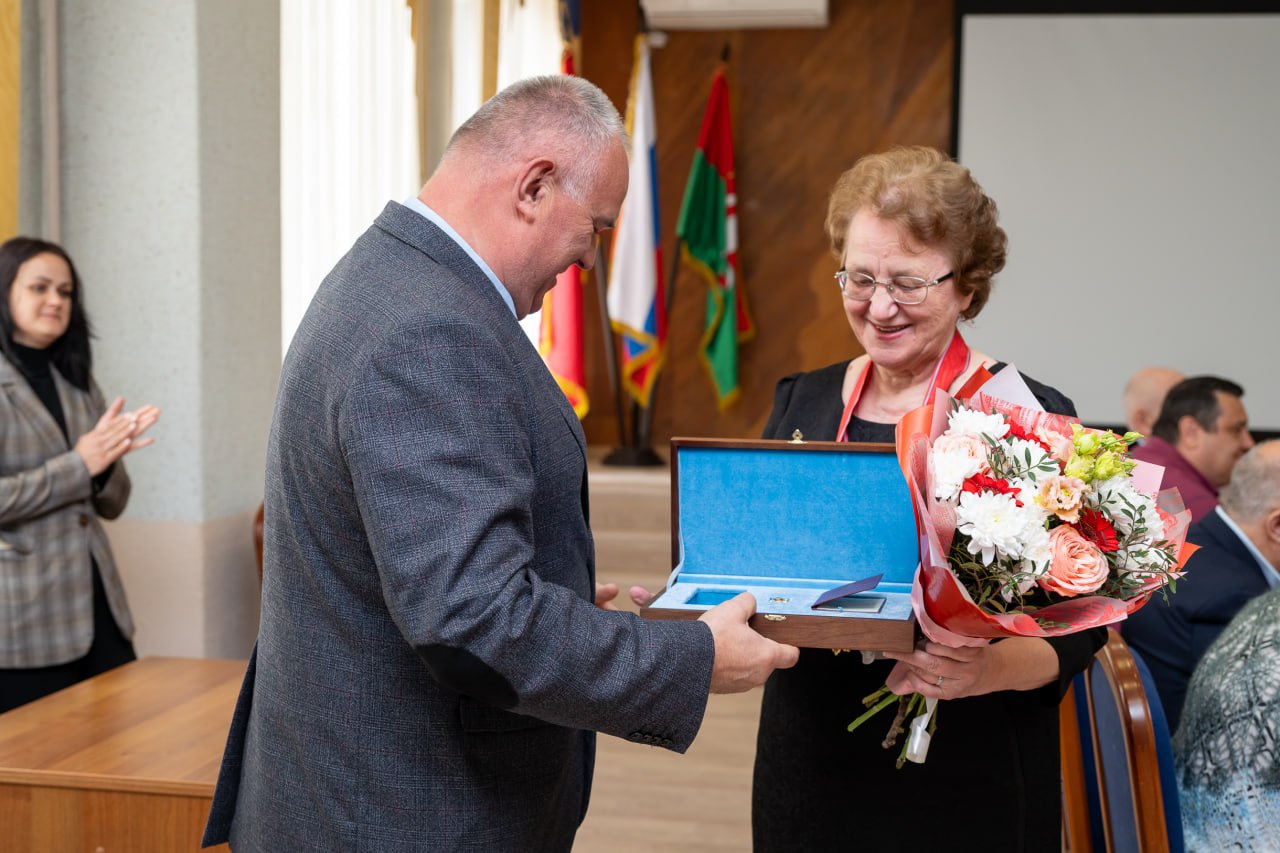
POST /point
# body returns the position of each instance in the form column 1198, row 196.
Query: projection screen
column 1136, row 163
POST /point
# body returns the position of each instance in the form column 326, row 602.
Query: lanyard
column 953, row 363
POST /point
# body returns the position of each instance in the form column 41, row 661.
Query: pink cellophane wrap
column 944, row 608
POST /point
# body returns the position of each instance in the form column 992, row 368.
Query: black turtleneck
column 36, row 365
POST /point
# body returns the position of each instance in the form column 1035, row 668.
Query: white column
column 171, row 209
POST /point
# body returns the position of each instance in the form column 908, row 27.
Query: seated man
column 1144, row 394
column 1201, row 432
column 1237, row 561
column 1228, row 767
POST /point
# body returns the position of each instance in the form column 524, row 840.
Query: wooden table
column 123, row 762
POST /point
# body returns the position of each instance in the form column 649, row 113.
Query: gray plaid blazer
column 49, row 527
column 430, row 668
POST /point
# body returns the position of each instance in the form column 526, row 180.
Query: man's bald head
column 557, row 114
column 1144, row 394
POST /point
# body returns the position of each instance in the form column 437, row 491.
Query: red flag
column 560, row 334
column 560, row 339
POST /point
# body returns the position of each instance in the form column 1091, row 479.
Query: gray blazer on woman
column 430, row 670
column 49, row 527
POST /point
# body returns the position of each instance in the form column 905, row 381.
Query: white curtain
column 348, row 133
column 529, row 44
column 528, row 39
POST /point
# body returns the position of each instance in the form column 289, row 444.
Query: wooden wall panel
column 806, row 104
column 10, row 109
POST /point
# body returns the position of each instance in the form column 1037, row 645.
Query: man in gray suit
column 431, row 667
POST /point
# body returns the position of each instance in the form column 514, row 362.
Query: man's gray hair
column 559, row 112
column 1255, row 483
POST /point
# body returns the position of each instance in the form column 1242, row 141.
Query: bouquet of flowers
column 1030, row 526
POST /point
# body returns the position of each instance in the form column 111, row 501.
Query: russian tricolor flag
column 636, row 297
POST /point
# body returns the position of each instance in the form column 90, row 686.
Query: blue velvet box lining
column 788, row 524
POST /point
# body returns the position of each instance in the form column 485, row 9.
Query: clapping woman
column 63, row 612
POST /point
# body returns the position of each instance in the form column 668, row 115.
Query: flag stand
column 644, row 428
column 625, row 453
column 601, row 276
column 636, row 452
column 640, row 453
column 633, row 457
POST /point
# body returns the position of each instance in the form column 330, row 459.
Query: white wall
column 170, row 170
column 1134, row 162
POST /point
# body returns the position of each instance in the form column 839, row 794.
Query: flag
column 560, row 338
column 560, row 330
column 636, row 298
column 708, row 231
column 570, row 35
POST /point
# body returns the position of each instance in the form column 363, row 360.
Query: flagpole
column 601, row 276
column 637, row 452
column 645, row 431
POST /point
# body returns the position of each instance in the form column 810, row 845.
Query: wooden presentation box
column 803, row 526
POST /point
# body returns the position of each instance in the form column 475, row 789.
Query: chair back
column 258, row 524
column 1136, row 799
column 1079, row 790
column 1164, row 755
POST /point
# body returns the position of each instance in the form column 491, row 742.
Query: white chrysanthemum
column 968, row 422
column 1029, row 460
column 950, row 470
column 1027, row 491
column 1035, row 544
column 994, row 524
column 1122, row 504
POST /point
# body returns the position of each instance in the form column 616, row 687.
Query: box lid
column 816, row 511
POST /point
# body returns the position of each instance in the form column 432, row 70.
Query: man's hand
column 744, row 659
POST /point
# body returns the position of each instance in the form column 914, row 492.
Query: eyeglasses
column 903, row 289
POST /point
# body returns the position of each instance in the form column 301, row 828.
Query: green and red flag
column 708, row 233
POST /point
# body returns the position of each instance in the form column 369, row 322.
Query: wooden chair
column 1117, row 760
column 257, row 537
column 1079, row 791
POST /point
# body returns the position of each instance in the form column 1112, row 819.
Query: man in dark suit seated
column 1238, row 558
column 434, row 656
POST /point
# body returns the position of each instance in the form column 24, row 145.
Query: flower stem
column 879, row 706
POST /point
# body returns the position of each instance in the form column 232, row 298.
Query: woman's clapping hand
column 116, row 433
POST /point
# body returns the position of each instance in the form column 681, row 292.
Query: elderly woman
column 918, row 245
column 63, row 614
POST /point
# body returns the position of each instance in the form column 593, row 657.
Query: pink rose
column 1076, row 566
column 1060, row 446
column 969, row 446
column 1062, row 496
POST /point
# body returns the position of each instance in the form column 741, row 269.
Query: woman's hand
column 944, row 672
column 115, row 434
column 607, row 592
column 144, row 417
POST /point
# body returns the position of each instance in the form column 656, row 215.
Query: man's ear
column 1271, row 528
column 1189, row 432
column 533, row 184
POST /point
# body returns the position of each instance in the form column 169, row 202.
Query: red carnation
column 979, row 483
column 1094, row 526
column 1016, row 431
